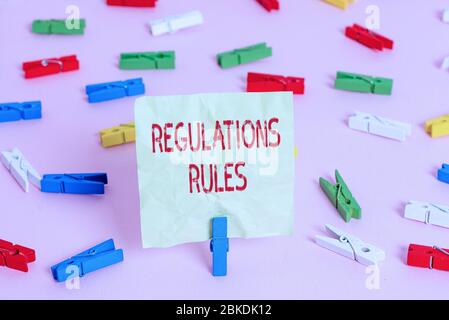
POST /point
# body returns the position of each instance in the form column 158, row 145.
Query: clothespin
column 49, row 66
column 269, row 4
column 15, row 111
column 376, row 125
column 429, row 213
column 428, row 257
column 124, row 133
column 438, row 127
column 15, row 257
column 114, row 90
column 59, row 26
column 244, row 55
column 132, row 3
column 20, row 169
column 147, row 60
column 341, row 197
column 368, row 38
column 93, row 259
column 445, row 63
column 445, row 16
column 351, row 247
column 219, row 246
column 363, row 83
column 260, row 82
column 76, row 183
column 173, row 24
column 443, row 173
column 342, row 4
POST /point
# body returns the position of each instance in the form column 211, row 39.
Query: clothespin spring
column 46, row 62
column 345, row 239
column 439, row 249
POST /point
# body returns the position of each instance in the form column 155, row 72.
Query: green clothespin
column 147, row 60
column 341, row 197
column 363, row 83
column 244, row 55
column 69, row 27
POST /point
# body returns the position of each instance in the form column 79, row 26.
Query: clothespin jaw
column 363, row 83
column 341, row 197
column 59, row 26
column 443, row 173
column 132, row 3
column 93, row 259
column 173, row 24
column 124, row 133
column 438, row 127
column 15, row 111
column 219, row 246
column 260, row 82
column 50, row 66
column 244, row 55
column 269, row 4
column 350, row 246
column 147, row 60
column 114, row 90
column 75, row 183
column 428, row 257
column 368, row 38
column 20, row 169
column 342, row 4
column 15, row 256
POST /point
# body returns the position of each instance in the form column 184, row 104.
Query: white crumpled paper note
column 258, row 192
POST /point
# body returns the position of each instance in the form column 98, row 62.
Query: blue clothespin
column 78, row 183
column 219, row 246
column 443, row 173
column 93, row 259
column 15, row 111
column 114, row 90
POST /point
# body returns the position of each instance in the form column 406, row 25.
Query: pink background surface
column 307, row 40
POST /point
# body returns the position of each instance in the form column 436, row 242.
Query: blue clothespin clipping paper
column 15, row 111
column 77, row 183
column 93, row 259
column 443, row 173
column 114, row 90
column 219, row 246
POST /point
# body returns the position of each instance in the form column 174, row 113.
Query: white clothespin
column 350, row 247
column 174, row 23
column 379, row 126
column 20, row 169
column 427, row 212
column 446, row 15
column 445, row 64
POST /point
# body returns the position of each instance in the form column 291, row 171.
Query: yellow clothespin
column 342, row 4
column 117, row 135
column 438, row 127
column 295, row 152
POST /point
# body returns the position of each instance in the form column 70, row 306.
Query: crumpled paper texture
column 170, row 214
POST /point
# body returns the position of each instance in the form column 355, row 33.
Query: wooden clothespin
column 341, row 197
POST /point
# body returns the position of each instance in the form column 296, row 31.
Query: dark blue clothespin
column 15, row 111
column 114, row 90
column 93, row 259
column 443, row 173
column 219, row 246
column 78, row 183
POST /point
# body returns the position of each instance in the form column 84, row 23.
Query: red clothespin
column 269, row 4
column 45, row 67
column 132, row 3
column 260, row 82
column 428, row 257
column 15, row 256
column 368, row 38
